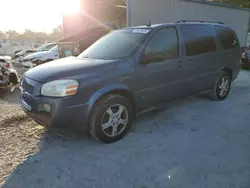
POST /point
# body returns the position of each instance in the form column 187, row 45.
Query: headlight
column 60, row 88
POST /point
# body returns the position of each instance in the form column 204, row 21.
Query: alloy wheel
column 223, row 86
column 114, row 120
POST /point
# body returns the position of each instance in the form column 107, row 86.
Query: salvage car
column 39, row 58
column 129, row 71
column 20, row 55
column 8, row 74
column 245, row 61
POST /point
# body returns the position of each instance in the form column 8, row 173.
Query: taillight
column 8, row 65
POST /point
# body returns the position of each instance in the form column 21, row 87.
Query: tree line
column 56, row 34
column 238, row 3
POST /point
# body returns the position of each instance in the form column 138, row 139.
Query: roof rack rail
column 200, row 21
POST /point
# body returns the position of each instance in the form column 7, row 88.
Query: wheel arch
column 118, row 89
column 229, row 71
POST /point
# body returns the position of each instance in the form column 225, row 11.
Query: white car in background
column 39, row 58
column 20, row 55
column 8, row 74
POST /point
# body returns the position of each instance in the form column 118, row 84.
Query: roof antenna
column 149, row 24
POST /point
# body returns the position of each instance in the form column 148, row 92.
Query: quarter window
column 163, row 44
column 198, row 39
column 227, row 37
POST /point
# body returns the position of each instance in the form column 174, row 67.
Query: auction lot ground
column 194, row 143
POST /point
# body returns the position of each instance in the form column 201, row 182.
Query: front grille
column 25, row 104
column 27, row 87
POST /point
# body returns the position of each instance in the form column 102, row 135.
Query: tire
column 101, row 116
column 13, row 78
column 217, row 93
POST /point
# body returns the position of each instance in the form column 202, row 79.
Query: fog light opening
column 46, row 107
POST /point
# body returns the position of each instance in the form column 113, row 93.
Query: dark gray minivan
column 129, row 71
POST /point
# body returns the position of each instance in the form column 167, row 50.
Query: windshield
column 44, row 47
column 54, row 49
column 116, row 45
column 21, row 52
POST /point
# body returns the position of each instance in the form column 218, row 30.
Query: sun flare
column 36, row 15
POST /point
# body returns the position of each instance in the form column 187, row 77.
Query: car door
column 160, row 72
column 200, row 54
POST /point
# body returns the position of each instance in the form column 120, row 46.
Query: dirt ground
column 191, row 143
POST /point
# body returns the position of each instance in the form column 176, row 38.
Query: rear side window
column 198, row 39
column 227, row 37
column 164, row 43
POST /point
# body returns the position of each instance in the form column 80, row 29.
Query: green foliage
column 239, row 3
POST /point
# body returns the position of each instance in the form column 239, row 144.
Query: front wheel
column 221, row 87
column 111, row 118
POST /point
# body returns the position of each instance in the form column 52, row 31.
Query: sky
column 36, row 15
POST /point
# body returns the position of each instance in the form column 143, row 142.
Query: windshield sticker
column 140, row 31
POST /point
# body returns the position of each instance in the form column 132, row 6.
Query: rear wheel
column 221, row 87
column 111, row 118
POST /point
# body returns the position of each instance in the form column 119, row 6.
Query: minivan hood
column 69, row 67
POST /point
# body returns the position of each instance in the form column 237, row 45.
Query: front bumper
column 55, row 112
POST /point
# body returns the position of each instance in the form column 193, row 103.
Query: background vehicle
column 243, row 49
column 245, row 61
column 46, row 47
column 8, row 75
column 130, row 71
column 19, row 56
column 38, row 58
column 75, row 44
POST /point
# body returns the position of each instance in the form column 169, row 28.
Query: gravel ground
column 192, row 143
